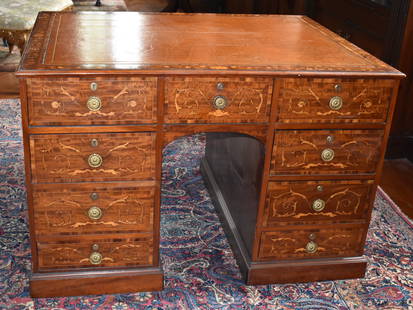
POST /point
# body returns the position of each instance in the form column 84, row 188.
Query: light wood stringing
column 291, row 202
column 122, row 250
column 62, row 101
column 189, row 99
column 64, row 158
column 299, row 151
column 333, row 241
column 63, row 209
column 306, row 100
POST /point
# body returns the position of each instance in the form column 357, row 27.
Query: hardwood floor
column 397, row 182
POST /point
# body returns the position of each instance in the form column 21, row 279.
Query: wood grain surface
column 116, row 250
column 64, row 158
column 292, row 202
column 119, row 281
column 332, row 241
column 190, row 100
column 63, row 208
column 299, row 151
column 63, row 101
column 306, row 100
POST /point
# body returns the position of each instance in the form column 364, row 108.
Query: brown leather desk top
column 202, row 43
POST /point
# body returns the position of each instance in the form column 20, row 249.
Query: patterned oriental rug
column 200, row 270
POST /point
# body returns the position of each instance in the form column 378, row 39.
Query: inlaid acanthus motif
column 117, row 252
column 66, row 158
column 285, row 204
column 326, row 151
column 330, row 242
column 289, row 202
column 308, row 100
column 121, row 209
column 65, row 101
column 191, row 100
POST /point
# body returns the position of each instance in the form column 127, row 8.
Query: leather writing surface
column 136, row 41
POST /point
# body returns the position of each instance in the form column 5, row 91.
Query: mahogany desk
column 297, row 121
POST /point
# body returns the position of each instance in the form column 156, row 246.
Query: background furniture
column 17, row 18
column 295, row 143
column 238, row 6
column 205, row 6
column 104, row 5
column 384, row 29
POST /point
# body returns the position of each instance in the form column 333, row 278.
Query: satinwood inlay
column 330, row 241
column 305, row 151
column 307, row 100
column 292, row 202
column 300, row 116
column 65, row 210
column 64, row 158
column 64, row 101
column 190, row 100
column 73, row 253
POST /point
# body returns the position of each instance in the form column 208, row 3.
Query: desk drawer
column 326, row 151
column 93, row 208
column 92, row 157
column 298, row 243
column 217, row 100
column 97, row 251
column 316, row 100
column 309, row 201
column 73, row 101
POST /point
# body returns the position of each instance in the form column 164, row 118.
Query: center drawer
column 217, row 99
column 66, row 158
column 96, row 251
column 93, row 208
column 326, row 152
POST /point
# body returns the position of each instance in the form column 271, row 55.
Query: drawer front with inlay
column 299, row 243
column 85, row 101
column 93, row 208
column 99, row 251
column 92, row 157
column 312, row 100
column 308, row 201
column 217, row 100
column 326, row 151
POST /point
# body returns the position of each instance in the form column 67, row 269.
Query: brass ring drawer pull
column 219, row 102
column 94, row 213
column 336, row 103
column 318, row 205
column 95, row 258
column 95, row 160
column 327, row 155
column 311, row 247
column 94, row 103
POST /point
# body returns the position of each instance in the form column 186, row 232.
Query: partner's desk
column 297, row 121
